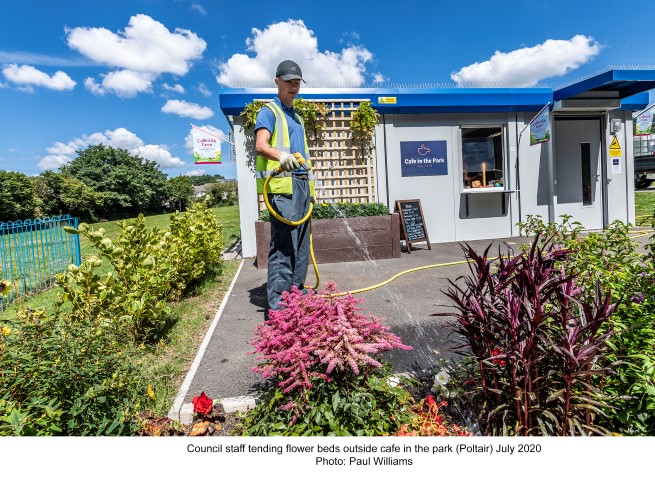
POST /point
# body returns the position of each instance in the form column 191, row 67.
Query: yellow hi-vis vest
column 281, row 183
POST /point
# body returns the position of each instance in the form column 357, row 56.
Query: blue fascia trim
column 409, row 100
column 645, row 78
column 635, row 103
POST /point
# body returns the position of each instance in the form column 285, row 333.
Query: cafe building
column 470, row 155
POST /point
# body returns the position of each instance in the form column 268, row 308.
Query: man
column 279, row 134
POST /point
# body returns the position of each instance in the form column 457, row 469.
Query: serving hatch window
column 482, row 157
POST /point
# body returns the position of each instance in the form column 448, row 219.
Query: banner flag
column 206, row 147
column 644, row 122
column 540, row 127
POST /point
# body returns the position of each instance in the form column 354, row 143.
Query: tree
column 205, row 178
column 131, row 184
column 180, row 192
column 224, row 193
column 59, row 194
column 17, row 200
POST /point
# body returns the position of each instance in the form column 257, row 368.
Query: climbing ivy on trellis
column 362, row 125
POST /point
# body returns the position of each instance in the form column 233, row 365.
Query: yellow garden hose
column 307, row 217
column 637, row 234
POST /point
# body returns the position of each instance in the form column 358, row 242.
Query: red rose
column 202, row 404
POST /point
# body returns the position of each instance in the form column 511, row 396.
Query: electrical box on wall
column 615, row 125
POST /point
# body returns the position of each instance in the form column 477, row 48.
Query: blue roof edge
column 635, row 102
column 407, row 100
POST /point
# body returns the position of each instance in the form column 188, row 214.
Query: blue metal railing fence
column 33, row 251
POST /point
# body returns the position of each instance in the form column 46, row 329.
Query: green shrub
column 65, row 375
column 362, row 405
column 340, row 210
column 611, row 259
column 151, row 267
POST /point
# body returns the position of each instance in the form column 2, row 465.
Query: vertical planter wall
column 343, row 239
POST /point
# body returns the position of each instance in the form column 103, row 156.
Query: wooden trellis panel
column 344, row 173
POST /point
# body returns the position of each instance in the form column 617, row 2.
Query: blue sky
column 135, row 74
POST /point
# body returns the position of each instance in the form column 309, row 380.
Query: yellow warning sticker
column 615, row 148
column 387, row 100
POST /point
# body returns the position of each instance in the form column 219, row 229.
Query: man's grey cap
column 289, row 70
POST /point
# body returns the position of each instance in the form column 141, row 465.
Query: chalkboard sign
column 413, row 224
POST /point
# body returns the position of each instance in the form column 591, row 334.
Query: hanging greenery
column 364, row 120
column 362, row 125
column 313, row 114
column 250, row 113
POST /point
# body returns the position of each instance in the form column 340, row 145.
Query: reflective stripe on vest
column 281, row 183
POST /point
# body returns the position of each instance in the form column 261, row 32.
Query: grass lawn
column 165, row 365
column 644, row 207
column 227, row 216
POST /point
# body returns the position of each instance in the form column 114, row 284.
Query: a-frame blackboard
column 412, row 222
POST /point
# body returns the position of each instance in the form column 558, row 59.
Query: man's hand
column 288, row 162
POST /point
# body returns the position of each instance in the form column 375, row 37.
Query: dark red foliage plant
column 535, row 336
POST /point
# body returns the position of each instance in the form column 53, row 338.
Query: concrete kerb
column 183, row 412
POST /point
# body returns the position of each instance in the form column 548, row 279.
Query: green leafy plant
column 250, row 112
column 340, row 210
column 65, row 375
column 363, row 404
column 612, row 259
column 312, row 113
column 150, row 268
column 362, row 125
column 431, row 421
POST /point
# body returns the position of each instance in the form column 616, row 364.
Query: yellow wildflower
column 151, row 392
column 6, row 331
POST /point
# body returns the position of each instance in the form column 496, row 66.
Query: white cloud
column 202, row 88
column 177, row 88
column 127, row 83
column 160, row 155
column 141, row 52
column 198, row 8
column 186, row 109
column 195, row 173
column 45, row 60
column 379, row 78
column 293, row 40
column 62, row 153
column 530, row 65
column 93, row 86
column 26, row 75
column 145, row 45
column 53, row 162
column 124, row 83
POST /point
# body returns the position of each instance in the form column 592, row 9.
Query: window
column 585, row 155
column 482, row 157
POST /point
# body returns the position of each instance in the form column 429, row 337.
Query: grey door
column 578, row 170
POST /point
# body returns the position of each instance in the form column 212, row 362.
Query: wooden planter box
column 343, row 239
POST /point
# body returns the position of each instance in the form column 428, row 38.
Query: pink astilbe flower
column 315, row 335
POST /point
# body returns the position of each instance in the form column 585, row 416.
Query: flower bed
column 343, row 239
